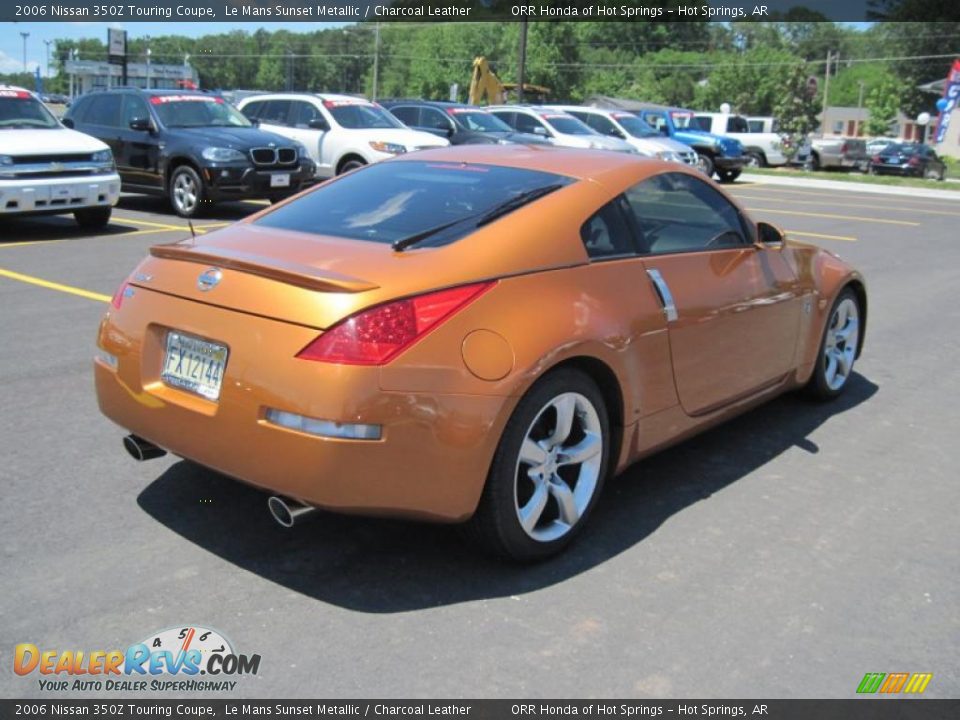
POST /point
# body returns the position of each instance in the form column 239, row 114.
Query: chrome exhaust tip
column 141, row 449
column 286, row 512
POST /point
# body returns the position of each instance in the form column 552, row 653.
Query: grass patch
column 953, row 171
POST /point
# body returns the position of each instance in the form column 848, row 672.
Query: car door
column 304, row 118
column 138, row 158
column 602, row 125
column 103, row 120
column 436, row 122
column 732, row 306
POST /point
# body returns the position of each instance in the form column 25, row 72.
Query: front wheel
column 728, row 176
column 838, row 348
column 548, row 469
column 186, row 192
column 93, row 218
column 350, row 165
column 705, row 164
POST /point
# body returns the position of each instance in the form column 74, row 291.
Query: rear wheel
column 813, row 162
column 548, row 469
column 838, row 348
column 93, row 218
column 186, row 191
column 756, row 160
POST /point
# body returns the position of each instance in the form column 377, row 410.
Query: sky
column 11, row 44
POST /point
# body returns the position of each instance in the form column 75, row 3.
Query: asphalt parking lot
column 784, row 554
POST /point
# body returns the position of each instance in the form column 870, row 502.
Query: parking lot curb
column 849, row 186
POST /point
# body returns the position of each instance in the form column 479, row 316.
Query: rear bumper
column 895, row 170
column 430, row 463
column 58, row 195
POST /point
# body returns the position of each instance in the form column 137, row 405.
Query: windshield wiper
column 484, row 218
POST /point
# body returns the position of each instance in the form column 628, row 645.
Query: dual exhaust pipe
column 283, row 510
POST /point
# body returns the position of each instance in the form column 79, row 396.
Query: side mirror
column 67, row 122
column 318, row 124
column 141, row 124
column 542, row 131
column 769, row 235
column 617, row 133
column 664, row 130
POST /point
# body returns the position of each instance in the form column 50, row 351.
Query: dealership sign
column 951, row 97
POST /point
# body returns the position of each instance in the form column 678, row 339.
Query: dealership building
column 87, row 75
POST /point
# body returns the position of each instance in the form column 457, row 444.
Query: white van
column 47, row 169
column 340, row 132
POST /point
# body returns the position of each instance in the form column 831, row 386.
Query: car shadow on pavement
column 155, row 205
column 58, row 227
column 385, row 566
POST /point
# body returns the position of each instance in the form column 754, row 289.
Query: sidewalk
column 798, row 182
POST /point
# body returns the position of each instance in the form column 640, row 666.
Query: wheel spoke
column 831, row 370
column 531, row 453
column 845, row 361
column 566, row 502
column 565, row 406
column 531, row 512
column 587, row 448
column 847, row 330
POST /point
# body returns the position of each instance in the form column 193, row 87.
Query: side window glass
column 657, row 120
column 134, row 108
column 675, row 212
column 434, row 119
column 251, row 109
column 527, row 124
column 508, row 117
column 276, row 112
column 601, row 124
column 303, row 113
column 105, row 111
column 406, row 114
column 607, row 232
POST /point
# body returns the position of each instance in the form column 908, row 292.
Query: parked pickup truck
column 46, row 169
column 834, row 152
column 761, row 148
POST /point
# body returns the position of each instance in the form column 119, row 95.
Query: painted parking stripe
column 831, row 216
column 40, row 282
column 928, row 211
column 821, row 236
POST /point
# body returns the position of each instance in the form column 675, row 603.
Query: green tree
column 883, row 102
column 752, row 82
column 797, row 107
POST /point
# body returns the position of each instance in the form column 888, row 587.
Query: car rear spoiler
column 305, row 276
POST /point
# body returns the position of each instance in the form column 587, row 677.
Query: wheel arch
column 175, row 161
column 860, row 290
column 347, row 157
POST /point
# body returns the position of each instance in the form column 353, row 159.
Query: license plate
column 62, row 192
column 280, row 180
column 194, row 364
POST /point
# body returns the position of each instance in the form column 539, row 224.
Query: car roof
column 532, row 109
column 430, row 103
column 14, row 87
column 570, row 162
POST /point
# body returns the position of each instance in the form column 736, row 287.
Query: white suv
column 562, row 128
column 340, row 132
column 630, row 128
column 47, row 169
column 761, row 148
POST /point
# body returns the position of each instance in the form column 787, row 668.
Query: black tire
column 705, row 164
column 818, row 387
column 349, row 165
column 728, row 176
column 496, row 526
column 93, row 218
column 186, row 192
column 812, row 163
column 756, row 159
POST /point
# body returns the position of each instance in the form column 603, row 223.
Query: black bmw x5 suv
column 193, row 147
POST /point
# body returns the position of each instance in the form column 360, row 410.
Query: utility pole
column 376, row 58
column 826, row 92
column 149, row 53
column 25, row 35
column 856, row 132
column 523, row 60
column 48, row 43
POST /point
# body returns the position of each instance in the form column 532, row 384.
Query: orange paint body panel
column 749, row 325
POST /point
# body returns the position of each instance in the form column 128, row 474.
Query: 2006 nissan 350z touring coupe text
column 472, row 334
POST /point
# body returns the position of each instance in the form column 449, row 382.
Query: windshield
column 20, row 110
column 359, row 115
column 480, row 121
column 567, row 125
column 634, row 126
column 393, row 200
column 197, row 111
column 682, row 119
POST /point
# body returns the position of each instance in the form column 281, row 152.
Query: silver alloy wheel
column 840, row 344
column 558, row 468
column 185, row 192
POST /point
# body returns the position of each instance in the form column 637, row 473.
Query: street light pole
column 856, row 132
column 149, row 53
column 826, row 92
column 376, row 59
column 24, row 35
column 48, row 43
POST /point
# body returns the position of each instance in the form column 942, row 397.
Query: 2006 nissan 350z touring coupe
column 473, row 334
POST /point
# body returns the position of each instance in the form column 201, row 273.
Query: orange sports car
column 474, row 334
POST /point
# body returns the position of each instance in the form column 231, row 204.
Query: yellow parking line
column 147, row 223
column 831, row 216
column 54, row 286
column 821, row 235
column 928, row 211
column 28, row 242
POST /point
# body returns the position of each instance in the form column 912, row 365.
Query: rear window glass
column 393, row 200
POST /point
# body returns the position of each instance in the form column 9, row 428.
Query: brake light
column 843, row 148
column 876, row 159
column 377, row 335
column 117, row 299
column 914, row 161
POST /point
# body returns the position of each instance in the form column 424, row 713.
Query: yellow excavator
column 486, row 88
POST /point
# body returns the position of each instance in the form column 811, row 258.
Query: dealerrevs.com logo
column 170, row 660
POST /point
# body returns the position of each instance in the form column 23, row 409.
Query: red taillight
column 375, row 336
column 843, row 148
column 876, row 159
column 117, row 299
column 914, row 161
